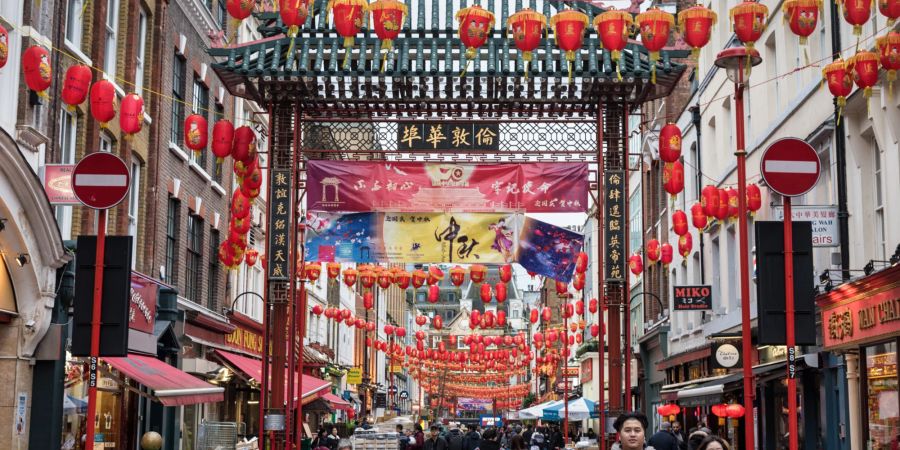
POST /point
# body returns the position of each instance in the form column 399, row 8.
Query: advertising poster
column 473, row 404
column 548, row 250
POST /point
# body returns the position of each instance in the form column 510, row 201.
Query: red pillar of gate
column 601, row 348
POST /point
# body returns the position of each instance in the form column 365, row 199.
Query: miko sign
column 790, row 167
column 100, row 180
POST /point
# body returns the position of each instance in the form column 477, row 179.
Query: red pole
column 626, row 301
column 746, row 333
column 789, row 315
column 627, row 330
column 565, row 361
column 95, row 326
column 601, row 338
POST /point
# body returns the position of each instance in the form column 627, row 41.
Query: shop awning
column 252, row 368
column 168, row 384
column 336, row 402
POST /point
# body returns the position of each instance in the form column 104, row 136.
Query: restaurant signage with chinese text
column 614, row 225
column 587, row 370
column 280, row 225
column 448, row 136
column 245, row 340
column 362, row 186
column 824, row 222
column 863, row 311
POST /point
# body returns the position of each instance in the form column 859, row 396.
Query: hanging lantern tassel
column 654, row 25
column 388, row 17
column 568, row 31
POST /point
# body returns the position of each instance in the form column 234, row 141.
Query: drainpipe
column 695, row 120
column 840, row 147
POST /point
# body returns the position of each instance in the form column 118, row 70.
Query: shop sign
column 142, row 306
column 448, row 136
column 404, row 395
column 245, row 340
column 863, row 319
column 280, row 225
column 570, row 372
column 354, row 375
column 396, row 368
column 58, row 184
column 824, row 222
column 726, row 355
column 587, row 370
column 693, row 298
column 473, row 404
column 614, row 232
column 362, row 186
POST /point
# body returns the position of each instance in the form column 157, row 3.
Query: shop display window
column 107, row 425
column 882, row 397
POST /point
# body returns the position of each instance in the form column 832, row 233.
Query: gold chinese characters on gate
column 279, row 223
column 448, row 136
column 614, row 207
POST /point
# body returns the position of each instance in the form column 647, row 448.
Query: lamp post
column 737, row 63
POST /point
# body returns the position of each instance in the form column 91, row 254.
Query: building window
column 134, row 203
column 209, row 4
column 194, row 269
column 74, row 28
column 217, row 165
column 200, row 105
column 112, row 27
column 67, row 138
column 106, row 144
column 171, row 240
column 141, row 52
column 880, row 241
column 881, row 392
column 177, row 136
column 223, row 15
column 212, row 287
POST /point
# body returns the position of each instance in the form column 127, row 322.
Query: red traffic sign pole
column 100, row 181
column 790, row 167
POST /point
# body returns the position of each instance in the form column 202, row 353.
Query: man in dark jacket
column 473, row 438
column 455, row 438
column 490, row 440
column 664, row 439
column 435, row 441
column 417, row 440
column 526, row 436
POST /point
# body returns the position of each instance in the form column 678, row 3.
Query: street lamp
column 737, row 63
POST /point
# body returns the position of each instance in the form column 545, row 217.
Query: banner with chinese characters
column 473, row 404
column 548, row 250
column 361, row 186
column 411, row 237
column 448, row 136
column 279, row 225
column 614, row 225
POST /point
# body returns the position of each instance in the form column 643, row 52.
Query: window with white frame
column 67, row 138
column 880, row 238
column 178, row 75
column 141, row 52
column 106, row 143
column 200, row 105
column 134, row 205
column 74, row 27
column 112, row 28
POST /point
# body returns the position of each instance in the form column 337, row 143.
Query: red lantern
column 241, row 225
column 655, row 25
column 223, row 139
column 477, row 273
column 368, row 300
column 475, row 25
column 317, row 310
column 434, row 293
column 839, row 78
column 679, row 222
column 666, row 253
column 865, row 70
column 636, row 264
column 732, row 203
column 402, row 279
column 387, row 20
column 251, row 256
column 486, row 293
column 685, row 245
column 579, row 307
column 239, row 9
column 435, row 274
column 367, row 278
column 242, row 169
column 488, row 321
column 568, row 30
column 474, row 319
column 36, row 66
column 670, row 143
column 754, row 198
column 103, row 102
column 244, row 141
column 888, row 8
column 437, row 322
column 613, row 27
column 75, row 86
column 578, row 281
column 673, row 178
column 546, row 314
column 652, row 248
column 749, row 21
column 195, row 132
column 4, row 47
column 384, row 280
column 418, row 278
column 734, row 411
column 595, row 330
column 856, row 13
column 333, row 269
column 695, row 24
column 889, row 53
column 421, row 320
column 388, row 329
column 722, row 212
column 592, row 305
column 533, row 316
column 506, row 273
column 500, row 292
column 370, row 326
column 226, row 255
column 801, row 16
column 709, row 200
column 294, row 14
column 131, row 117
column 562, row 288
column 457, row 276
column 527, row 27
column 347, row 17
column 698, row 217
column 240, row 204
column 349, row 276
column 400, row 332
column 581, row 262
column 312, row 272
column 251, row 182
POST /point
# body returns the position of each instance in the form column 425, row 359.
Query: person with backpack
column 455, row 438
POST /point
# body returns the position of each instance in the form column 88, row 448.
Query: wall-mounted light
column 22, row 259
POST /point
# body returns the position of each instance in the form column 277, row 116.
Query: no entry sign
column 100, row 180
column 790, row 167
